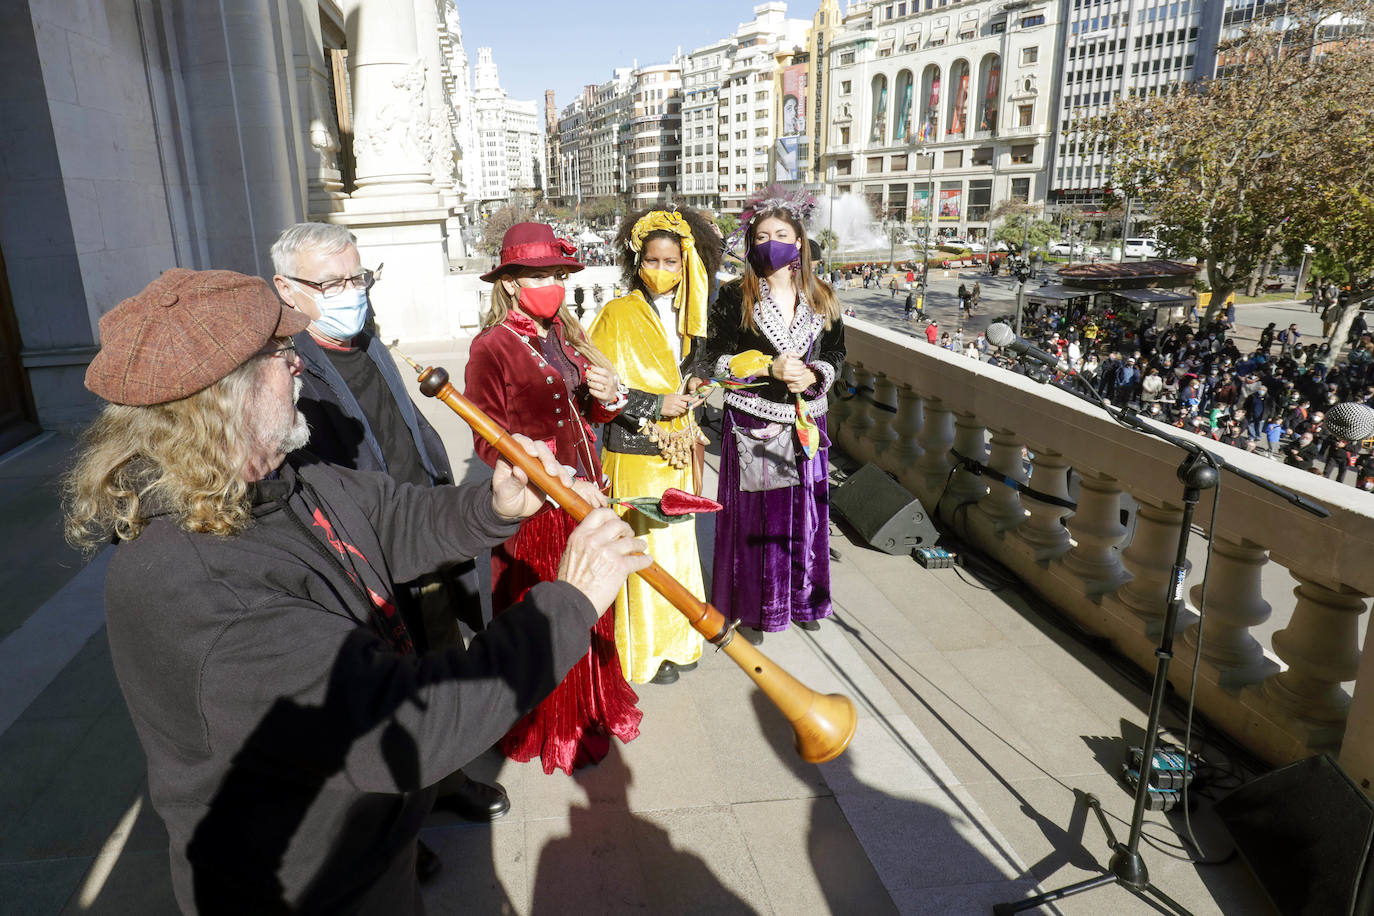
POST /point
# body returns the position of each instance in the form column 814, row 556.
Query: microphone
column 1004, row 338
column 1349, row 421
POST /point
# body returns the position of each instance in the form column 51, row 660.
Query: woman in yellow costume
column 668, row 256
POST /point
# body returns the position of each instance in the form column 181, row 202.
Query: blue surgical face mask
column 341, row 316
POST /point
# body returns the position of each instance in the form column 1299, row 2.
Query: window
column 1025, row 115
column 1023, row 153
column 982, row 155
column 997, row 28
column 1030, row 55
column 844, row 136
column 846, row 58
column 875, row 164
column 1032, row 21
column 844, row 166
column 953, row 159
column 1020, row 189
column 898, row 163
column 846, row 87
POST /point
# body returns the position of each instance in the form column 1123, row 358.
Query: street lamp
column 930, row 219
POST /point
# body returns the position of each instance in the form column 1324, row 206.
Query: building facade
column 940, row 111
column 510, row 143
column 142, row 151
column 654, row 134
column 1112, row 50
column 702, row 74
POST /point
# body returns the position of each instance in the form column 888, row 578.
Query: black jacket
column 289, row 743
column 725, row 336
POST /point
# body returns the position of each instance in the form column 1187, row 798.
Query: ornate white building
column 510, row 145
column 172, row 133
column 941, row 110
column 654, row 133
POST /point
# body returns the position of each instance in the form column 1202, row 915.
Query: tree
column 1021, row 225
column 828, row 241
column 1235, row 166
column 600, row 209
column 727, row 223
column 497, row 224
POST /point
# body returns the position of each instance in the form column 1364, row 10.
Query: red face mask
column 542, row 301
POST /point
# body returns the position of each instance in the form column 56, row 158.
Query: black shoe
column 475, row 801
column 667, row 674
column 752, row 635
column 427, row 862
column 809, row 625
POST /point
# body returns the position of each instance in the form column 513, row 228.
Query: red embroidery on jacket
column 398, row 629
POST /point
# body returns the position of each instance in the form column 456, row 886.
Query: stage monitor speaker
column 1305, row 831
column 881, row 510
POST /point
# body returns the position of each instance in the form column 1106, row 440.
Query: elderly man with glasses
column 361, row 416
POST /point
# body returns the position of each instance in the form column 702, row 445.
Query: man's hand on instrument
column 601, row 553
column 590, row 492
column 512, row 494
column 603, row 384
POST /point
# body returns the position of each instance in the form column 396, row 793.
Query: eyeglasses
column 331, row 288
column 287, row 353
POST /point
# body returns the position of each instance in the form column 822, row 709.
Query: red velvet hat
column 533, row 245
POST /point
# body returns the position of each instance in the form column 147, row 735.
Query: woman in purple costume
column 772, row 550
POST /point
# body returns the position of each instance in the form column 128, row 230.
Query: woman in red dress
column 532, row 370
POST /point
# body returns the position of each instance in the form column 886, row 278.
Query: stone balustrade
column 904, row 405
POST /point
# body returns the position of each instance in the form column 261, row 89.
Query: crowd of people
column 314, row 659
column 1269, row 397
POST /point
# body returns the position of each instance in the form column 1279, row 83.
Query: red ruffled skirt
column 572, row 727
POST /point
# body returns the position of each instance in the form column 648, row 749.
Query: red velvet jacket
column 510, row 380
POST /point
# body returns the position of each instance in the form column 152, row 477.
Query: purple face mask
column 767, row 257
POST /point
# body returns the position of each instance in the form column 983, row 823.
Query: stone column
column 1002, row 504
column 937, row 435
column 860, row 419
column 969, row 441
column 396, row 211
column 880, row 435
column 1043, row 529
column 1235, row 604
column 1149, row 559
column 323, row 182
column 1097, row 528
column 905, row 450
column 431, row 36
column 1321, row 647
column 841, row 401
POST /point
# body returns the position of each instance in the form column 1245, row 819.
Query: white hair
column 323, row 238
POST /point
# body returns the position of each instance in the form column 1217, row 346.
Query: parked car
column 1142, row 248
column 1067, row 249
column 975, row 245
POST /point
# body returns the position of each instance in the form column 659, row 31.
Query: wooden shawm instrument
column 823, row 724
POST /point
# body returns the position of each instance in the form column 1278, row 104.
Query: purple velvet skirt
column 772, row 551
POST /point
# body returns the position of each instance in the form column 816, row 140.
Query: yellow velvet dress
column 648, row 629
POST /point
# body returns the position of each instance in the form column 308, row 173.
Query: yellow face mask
column 659, row 281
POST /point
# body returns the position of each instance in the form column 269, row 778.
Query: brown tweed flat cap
column 187, row 330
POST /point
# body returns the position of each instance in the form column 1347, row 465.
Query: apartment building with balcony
column 654, row 133
column 940, row 110
column 748, row 102
column 1115, row 49
column 702, row 74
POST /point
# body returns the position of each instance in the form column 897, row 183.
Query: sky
column 563, row 46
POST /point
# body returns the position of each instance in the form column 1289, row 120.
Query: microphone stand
column 1198, row 471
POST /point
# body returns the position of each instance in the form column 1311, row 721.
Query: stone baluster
column 1097, row 529
column 905, row 450
column 1235, row 604
column 880, row 435
column 1149, row 559
column 841, row 401
column 969, row 441
column 1321, row 648
column 1002, row 503
column 860, row 419
column 937, row 435
column 1044, row 528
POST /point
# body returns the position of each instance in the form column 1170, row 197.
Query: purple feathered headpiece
column 800, row 203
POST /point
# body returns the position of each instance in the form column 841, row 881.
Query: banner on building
column 794, row 101
column 989, row 119
column 956, row 121
column 920, row 204
column 785, row 158
column 950, row 199
column 932, row 112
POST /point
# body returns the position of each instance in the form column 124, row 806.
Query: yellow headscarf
column 691, row 292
